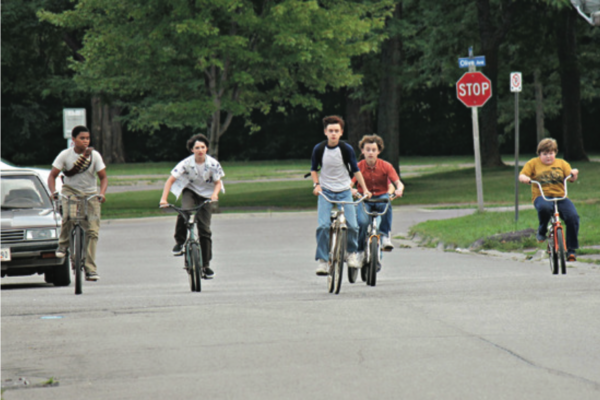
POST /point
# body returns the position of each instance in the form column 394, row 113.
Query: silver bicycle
column 338, row 235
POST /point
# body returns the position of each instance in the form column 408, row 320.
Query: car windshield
column 23, row 191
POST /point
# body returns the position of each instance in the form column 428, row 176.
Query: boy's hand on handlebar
column 575, row 174
column 163, row 203
column 101, row 198
column 398, row 192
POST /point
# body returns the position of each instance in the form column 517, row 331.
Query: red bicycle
column 556, row 237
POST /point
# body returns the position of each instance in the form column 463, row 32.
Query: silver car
column 30, row 229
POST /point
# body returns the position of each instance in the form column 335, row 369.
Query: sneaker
column 571, row 257
column 92, row 277
column 322, row 267
column 540, row 238
column 177, row 250
column 386, row 243
column 61, row 252
column 354, row 260
column 208, row 273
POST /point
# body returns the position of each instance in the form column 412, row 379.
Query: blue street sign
column 478, row 61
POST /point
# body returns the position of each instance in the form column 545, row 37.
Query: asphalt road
column 438, row 325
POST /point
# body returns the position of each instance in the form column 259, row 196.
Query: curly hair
column 368, row 139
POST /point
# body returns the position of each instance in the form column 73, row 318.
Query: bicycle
column 372, row 246
column 191, row 246
column 556, row 237
column 77, row 212
column 338, row 235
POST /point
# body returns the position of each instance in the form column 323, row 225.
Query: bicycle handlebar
column 77, row 197
column 342, row 202
column 555, row 198
column 184, row 211
column 375, row 201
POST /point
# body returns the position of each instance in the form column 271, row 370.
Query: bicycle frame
column 373, row 231
column 189, row 216
column 77, row 215
column 338, row 228
column 555, row 223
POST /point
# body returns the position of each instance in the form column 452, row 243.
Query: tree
column 570, row 77
column 36, row 83
column 199, row 64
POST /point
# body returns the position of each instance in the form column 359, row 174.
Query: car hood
column 29, row 218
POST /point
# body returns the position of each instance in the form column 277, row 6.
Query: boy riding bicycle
column 337, row 163
column 80, row 164
column 551, row 172
column 378, row 175
column 197, row 178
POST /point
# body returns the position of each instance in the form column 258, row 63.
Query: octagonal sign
column 474, row 89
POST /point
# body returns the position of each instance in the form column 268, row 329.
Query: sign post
column 474, row 89
column 72, row 117
column 516, row 84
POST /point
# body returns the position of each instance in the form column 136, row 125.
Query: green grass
column 464, row 231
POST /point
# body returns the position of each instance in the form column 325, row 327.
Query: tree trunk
column 106, row 131
column 491, row 38
column 358, row 123
column 539, row 106
column 388, row 115
column 570, row 87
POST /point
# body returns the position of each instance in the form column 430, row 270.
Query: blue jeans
column 363, row 219
column 567, row 212
column 324, row 216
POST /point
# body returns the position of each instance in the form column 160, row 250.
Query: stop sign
column 474, row 89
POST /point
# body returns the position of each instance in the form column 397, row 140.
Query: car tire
column 61, row 275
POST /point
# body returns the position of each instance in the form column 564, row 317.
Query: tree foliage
column 199, row 63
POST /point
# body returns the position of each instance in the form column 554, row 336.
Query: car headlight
column 41, row 234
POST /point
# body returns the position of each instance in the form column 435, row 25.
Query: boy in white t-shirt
column 197, row 178
column 80, row 165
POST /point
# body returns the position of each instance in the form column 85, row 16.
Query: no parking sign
column 516, row 83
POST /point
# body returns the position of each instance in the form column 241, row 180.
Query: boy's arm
column 215, row 194
column 103, row 184
column 167, row 189
column 575, row 173
column 52, row 179
column 399, row 188
column 524, row 179
column 315, row 178
column 361, row 181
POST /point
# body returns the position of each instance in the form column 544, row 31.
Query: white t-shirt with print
column 85, row 181
column 200, row 178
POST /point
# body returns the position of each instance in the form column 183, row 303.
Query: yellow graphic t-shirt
column 551, row 177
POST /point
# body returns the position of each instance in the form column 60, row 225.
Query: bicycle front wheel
column 77, row 243
column 196, row 266
column 338, row 267
column 333, row 240
column 552, row 255
column 189, row 268
column 562, row 256
column 373, row 258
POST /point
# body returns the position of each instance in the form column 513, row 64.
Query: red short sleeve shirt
column 377, row 177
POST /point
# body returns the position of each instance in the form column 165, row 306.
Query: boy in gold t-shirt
column 550, row 172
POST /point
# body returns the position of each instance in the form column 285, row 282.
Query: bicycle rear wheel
column 373, row 258
column 196, row 266
column 338, row 267
column 553, row 255
column 77, row 240
column 562, row 254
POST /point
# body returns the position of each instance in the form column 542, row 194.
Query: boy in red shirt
column 377, row 174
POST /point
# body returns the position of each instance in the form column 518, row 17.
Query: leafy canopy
column 178, row 62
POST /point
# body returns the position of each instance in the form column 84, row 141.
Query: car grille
column 13, row 235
